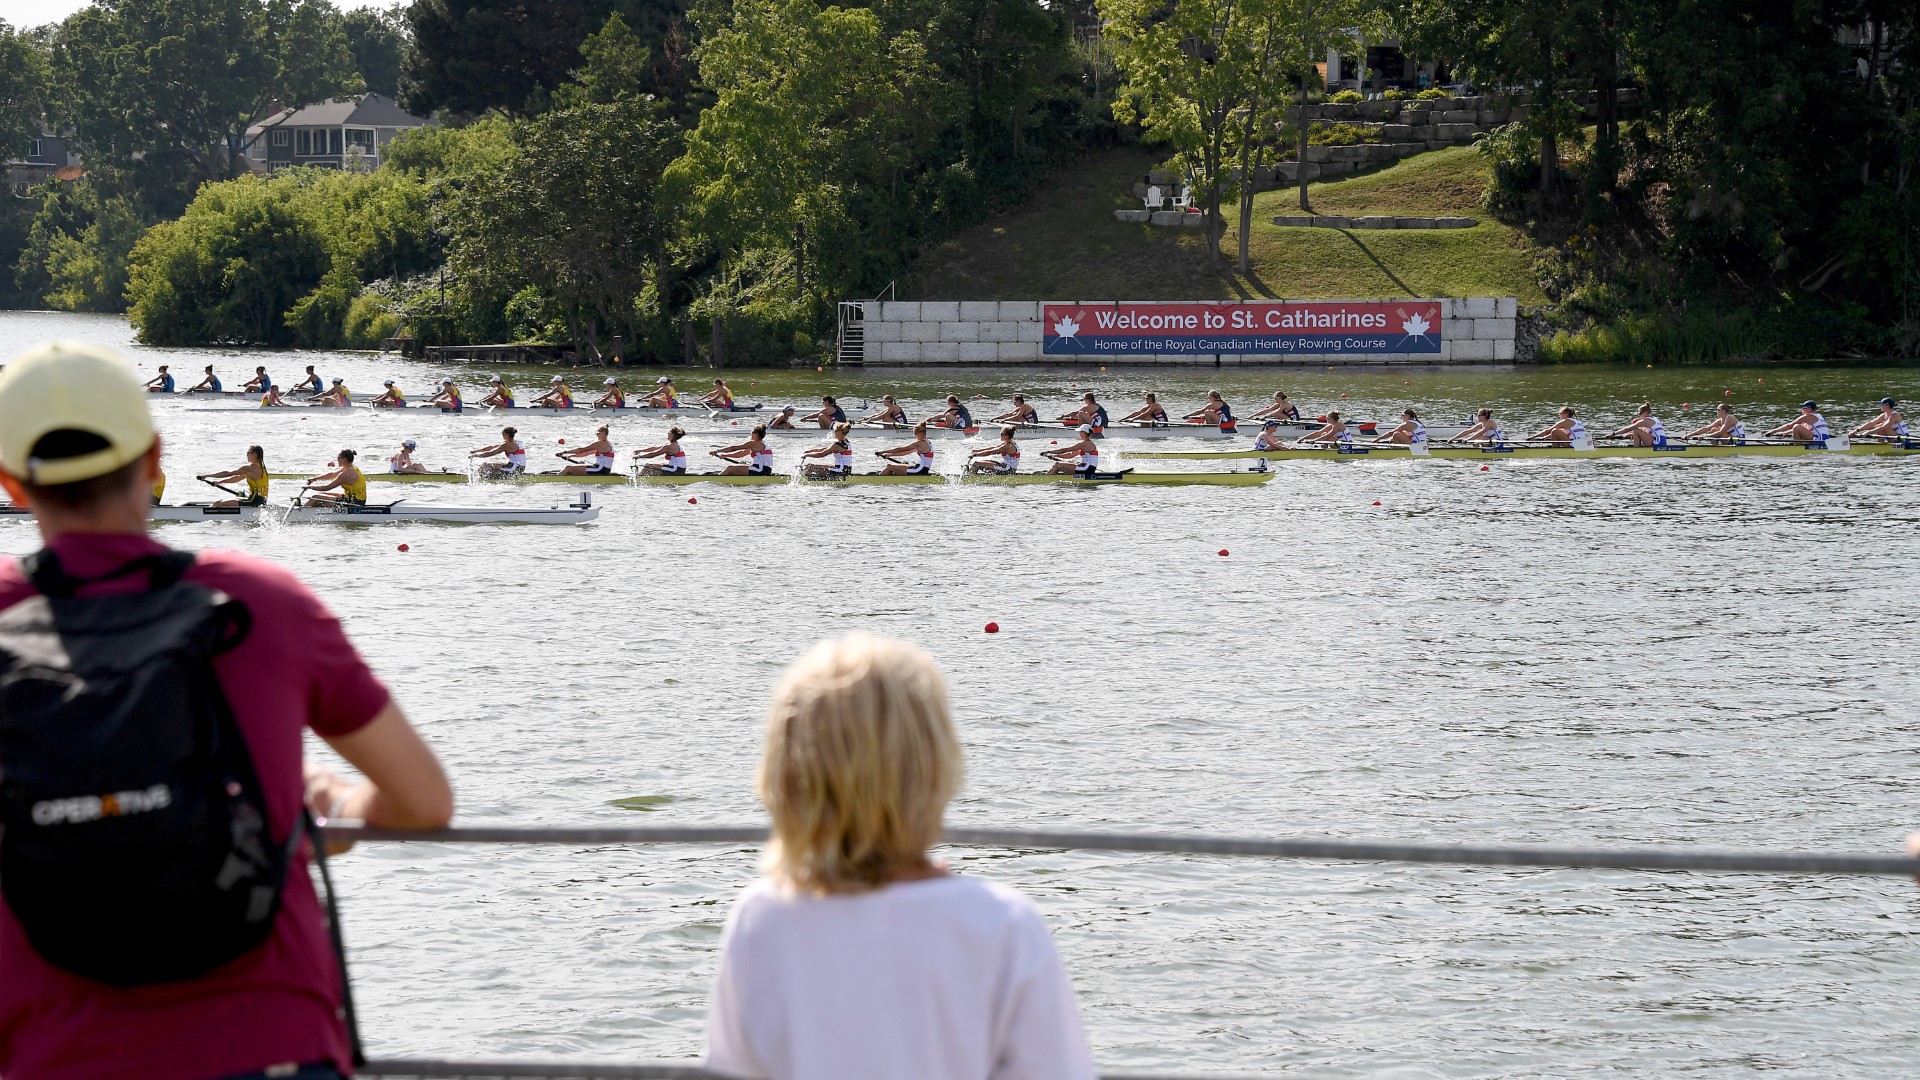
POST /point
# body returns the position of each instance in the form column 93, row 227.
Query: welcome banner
column 1278, row 327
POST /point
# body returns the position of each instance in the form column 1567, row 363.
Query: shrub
column 370, row 321
column 1346, row 97
column 1339, row 135
column 1397, row 95
column 1434, row 94
column 1514, row 154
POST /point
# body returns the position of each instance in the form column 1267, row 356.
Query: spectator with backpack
column 159, row 920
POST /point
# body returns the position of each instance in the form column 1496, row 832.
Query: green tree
column 1317, row 26
column 473, row 55
column 379, row 40
column 23, row 84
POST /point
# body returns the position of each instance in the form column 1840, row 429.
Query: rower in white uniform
column 1409, row 432
column 921, row 449
column 750, row 458
column 1566, row 431
column 1808, row 427
column 1080, row 459
column 1888, row 425
column 672, row 460
column 1268, row 437
column 1000, row 459
column 1645, row 429
column 1334, row 432
column 402, row 461
column 1482, row 430
column 600, row 449
column 509, row 447
column 1724, row 428
column 837, row 455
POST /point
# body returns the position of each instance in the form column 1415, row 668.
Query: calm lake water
column 1615, row 652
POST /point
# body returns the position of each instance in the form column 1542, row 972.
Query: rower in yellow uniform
column 613, row 398
column 558, row 396
column 720, row 397
column 337, row 395
column 447, row 398
column 499, row 396
column 254, row 472
column 270, row 398
column 390, row 398
column 159, row 488
column 347, row 477
column 663, row 396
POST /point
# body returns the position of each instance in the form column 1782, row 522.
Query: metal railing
column 1665, row 859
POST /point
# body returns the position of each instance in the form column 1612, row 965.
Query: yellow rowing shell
column 1671, row 452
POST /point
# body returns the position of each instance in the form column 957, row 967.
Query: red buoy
column 691, row 501
column 993, row 628
column 1376, row 502
column 403, row 547
column 1483, row 468
column 562, row 442
column 1223, row 552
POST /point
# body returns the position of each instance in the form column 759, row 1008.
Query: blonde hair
column 860, row 762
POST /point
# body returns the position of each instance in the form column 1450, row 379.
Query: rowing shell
column 592, row 479
column 1670, row 452
column 1214, row 479
column 573, row 513
column 1026, row 432
column 495, row 411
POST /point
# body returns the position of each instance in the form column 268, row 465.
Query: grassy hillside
column 1065, row 243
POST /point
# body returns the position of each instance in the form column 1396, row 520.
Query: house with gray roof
column 329, row 134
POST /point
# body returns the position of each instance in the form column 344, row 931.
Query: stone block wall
column 1474, row 330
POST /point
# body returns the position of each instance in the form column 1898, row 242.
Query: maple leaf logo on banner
column 1414, row 325
column 1066, row 327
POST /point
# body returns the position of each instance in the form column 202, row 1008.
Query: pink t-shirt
column 280, row 1002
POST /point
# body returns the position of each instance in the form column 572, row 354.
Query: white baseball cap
column 389, row 382
column 662, row 380
column 410, row 444
column 1085, row 429
column 71, row 386
column 337, row 380
column 493, row 378
column 610, row 382
column 557, row 379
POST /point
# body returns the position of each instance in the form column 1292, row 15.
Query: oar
column 222, row 487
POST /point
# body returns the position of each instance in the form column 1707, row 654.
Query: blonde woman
column 858, row 956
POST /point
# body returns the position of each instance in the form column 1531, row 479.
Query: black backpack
column 135, row 847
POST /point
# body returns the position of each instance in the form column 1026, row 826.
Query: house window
column 279, row 138
column 333, row 139
column 36, row 151
column 303, row 142
column 361, row 140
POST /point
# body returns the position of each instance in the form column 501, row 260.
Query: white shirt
column 949, row 978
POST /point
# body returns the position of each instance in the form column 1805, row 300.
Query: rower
column 402, row 461
column 612, row 397
column 1808, row 427
column 601, row 448
column 1215, row 411
column 1725, row 427
column 1281, row 409
column 1021, row 413
column 783, row 419
column 1150, row 413
column 890, row 414
column 259, row 383
column 1001, row 459
column 1080, row 459
column 271, row 399
column 558, row 396
column 920, row 447
column 956, row 417
column 1482, row 430
column 1091, row 414
column 161, row 383
column 1566, row 431
column 499, row 395
column 1889, row 424
column 348, row 478
column 663, row 396
column 390, row 398
column 159, row 486
column 830, row 413
column 509, row 447
column 758, row 456
column 447, row 398
column 337, row 396
column 254, row 472
column 311, row 384
column 1409, row 432
column 674, row 459
column 1645, row 430
column 1269, row 437
column 720, row 397
column 210, row 384
column 839, row 451
column 1333, row 431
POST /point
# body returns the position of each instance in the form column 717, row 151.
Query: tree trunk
column 689, row 350
column 1300, row 159
column 1247, row 159
column 718, row 355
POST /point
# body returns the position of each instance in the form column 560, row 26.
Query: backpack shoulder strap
column 164, row 570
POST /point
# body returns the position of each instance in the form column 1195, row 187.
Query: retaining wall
column 1474, row 330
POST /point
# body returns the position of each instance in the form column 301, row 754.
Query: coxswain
column 889, row 414
column 1000, row 459
column 1080, row 459
column 447, row 398
column 1214, row 412
column 390, row 397
column 1021, row 413
column 254, row 472
column 259, row 383
column 1724, row 428
column 1645, row 429
column 210, row 384
column 499, row 396
column 337, row 396
column 783, row 420
column 270, row 398
column 509, row 447
column 830, row 413
column 956, row 417
column 161, row 383
column 309, row 385
column 1269, row 438
column 1566, row 431
column 612, row 397
column 1090, row 414
column 1333, row 432
column 600, row 449
column 1281, row 409
column 347, row 477
column 663, row 396
column 1482, row 430
column 673, row 459
column 1409, row 432
column 750, row 458
column 720, row 397
column 1150, row 413
column 402, row 460
column 558, row 396
column 1888, row 425
column 921, row 448
column 839, row 455
column 1808, row 427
